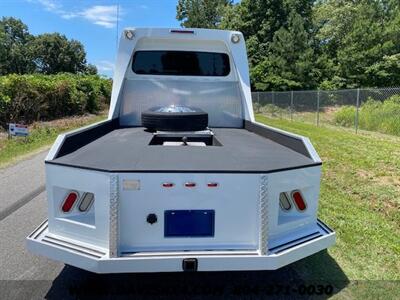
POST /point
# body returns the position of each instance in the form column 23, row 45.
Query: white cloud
column 50, row 5
column 105, row 66
column 68, row 16
column 102, row 15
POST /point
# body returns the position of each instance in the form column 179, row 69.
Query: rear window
column 180, row 63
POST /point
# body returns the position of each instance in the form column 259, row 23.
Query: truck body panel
column 238, row 196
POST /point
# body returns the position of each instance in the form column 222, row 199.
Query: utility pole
column 318, row 98
column 357, row 110
column 291, row 105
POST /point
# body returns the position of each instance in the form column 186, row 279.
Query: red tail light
column 168, row 184
column 212, row 184
column 69, row 201
column 299, row 200
column 190, row 184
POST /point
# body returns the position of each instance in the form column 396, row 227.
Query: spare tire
column 175, row 118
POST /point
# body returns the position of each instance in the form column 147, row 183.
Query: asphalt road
column 23, row 207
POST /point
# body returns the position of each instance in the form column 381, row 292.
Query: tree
column 305, row 44
column 21, row 52
column 201, row 13
column 91, row 69
column 54, row 53
column 260, row 21
column 15, row 56
column 289, row 64
column 333, row 20
column 360, row 38
column 385, row 72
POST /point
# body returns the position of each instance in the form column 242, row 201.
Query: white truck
column 180, row 177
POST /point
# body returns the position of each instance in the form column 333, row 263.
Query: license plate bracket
column 189, row 223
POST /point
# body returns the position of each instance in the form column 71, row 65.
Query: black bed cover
column 128, row 150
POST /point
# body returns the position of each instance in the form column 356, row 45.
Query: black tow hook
column 189, row 264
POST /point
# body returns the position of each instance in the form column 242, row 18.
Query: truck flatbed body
column 181, row 177
column 238, row 150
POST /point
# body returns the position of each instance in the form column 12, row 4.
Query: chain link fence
column 367, row 109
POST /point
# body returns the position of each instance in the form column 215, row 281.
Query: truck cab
column 181, row 177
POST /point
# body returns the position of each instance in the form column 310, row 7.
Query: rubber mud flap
column 175, row 118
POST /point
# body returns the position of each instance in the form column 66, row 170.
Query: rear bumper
column 98, row 260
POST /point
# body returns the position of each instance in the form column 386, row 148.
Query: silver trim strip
column 45, row 240
column 39, row 230
column 114, row 198
column 296, row 242
column 60, row 241
column 190, row 253
column 263, row 239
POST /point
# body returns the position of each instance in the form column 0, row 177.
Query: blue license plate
column 189, row 223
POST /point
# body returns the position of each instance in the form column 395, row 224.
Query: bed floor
column 128, row 150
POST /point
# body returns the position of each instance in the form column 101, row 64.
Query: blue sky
column 92, row 22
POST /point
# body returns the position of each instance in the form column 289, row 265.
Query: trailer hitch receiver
column 189, row 264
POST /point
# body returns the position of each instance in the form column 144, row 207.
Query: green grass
column 360, row 191
column 360, row 199
column 327, row 115
column 41, row 136
column 373, row 116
